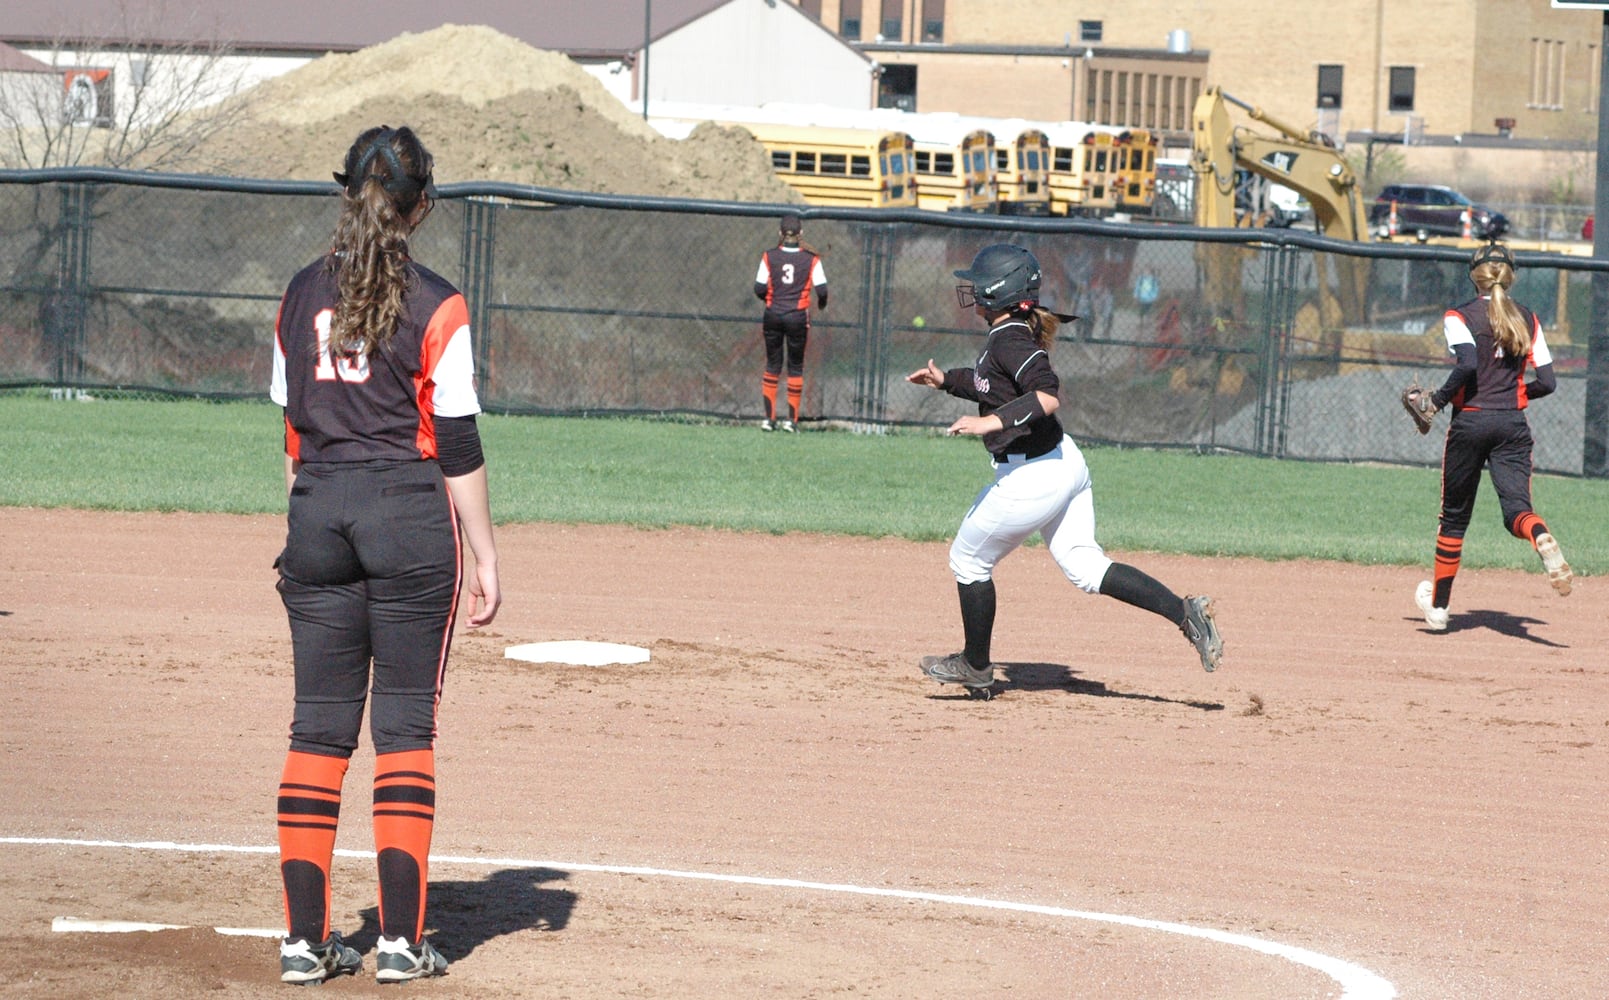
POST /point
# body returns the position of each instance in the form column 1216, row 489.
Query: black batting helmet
column 1003, row 278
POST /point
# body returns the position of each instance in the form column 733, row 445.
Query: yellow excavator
column 1304, row 160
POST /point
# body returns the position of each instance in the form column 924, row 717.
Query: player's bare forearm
column 291, row 468
column 472, row 501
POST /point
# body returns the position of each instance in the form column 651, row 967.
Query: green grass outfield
column 225, row 457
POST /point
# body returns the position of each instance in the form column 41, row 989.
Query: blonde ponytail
column 1513, row 335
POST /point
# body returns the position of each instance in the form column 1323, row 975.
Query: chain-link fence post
column 66, row 307
column 479, row 248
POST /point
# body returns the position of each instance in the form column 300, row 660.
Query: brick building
column 1349, row 67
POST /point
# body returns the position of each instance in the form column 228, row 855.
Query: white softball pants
column 1051, row 494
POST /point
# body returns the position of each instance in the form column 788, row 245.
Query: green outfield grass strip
column 226, row 457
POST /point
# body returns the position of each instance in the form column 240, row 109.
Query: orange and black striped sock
column 404, row 818
column 768, row 389
column 1449, row 553
column 795, row 394
column 1528, row 526
column 309, row 808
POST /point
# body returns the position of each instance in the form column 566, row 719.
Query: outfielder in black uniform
column 789, row 279
column 1041, row 480
column 373, row 365
column 1493, row 339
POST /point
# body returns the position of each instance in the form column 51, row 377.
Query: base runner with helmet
column 373, row 366
column 1493, row 340
column 1041, row 481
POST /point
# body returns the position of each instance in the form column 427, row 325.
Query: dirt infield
column 1351, row 806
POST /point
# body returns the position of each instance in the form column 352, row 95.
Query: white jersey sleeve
column 454, row 376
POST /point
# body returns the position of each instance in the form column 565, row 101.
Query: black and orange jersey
column 787, row 278
column 1012, row 364
column 1498, row 382
column 353, row 408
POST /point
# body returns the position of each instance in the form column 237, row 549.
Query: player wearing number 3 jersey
column 1041, row 482
column 789, row 279
column 372, row 363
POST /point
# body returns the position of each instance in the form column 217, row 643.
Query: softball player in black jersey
column 789, row 278
column 1041, row 481
column 373, row 365
column 1493, row 339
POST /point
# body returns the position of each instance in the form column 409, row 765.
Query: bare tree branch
column 113, row 97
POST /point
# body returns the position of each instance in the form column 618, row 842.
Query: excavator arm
column 1305, row 162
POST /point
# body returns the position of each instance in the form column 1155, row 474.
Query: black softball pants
column 1499, row 440
column 786, row 330
column 370, row 574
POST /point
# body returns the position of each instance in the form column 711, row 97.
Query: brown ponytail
column 1044, row 324
column 386, row 180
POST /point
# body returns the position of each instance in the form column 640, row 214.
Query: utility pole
column 1595, row 436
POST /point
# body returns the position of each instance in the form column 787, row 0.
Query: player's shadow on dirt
column 1517, row 626
column 461, row 916
column 1055, row 677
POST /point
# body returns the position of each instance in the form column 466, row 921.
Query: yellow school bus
column 955, row 168
column 841, row 166
column 1100, row 169
column 1022, row 167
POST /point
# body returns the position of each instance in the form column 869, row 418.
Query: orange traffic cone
column 1391, row 221
column 1469, row 230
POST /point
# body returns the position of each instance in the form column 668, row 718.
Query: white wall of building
column 754, row 51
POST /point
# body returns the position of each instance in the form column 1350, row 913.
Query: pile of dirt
column 490, row 108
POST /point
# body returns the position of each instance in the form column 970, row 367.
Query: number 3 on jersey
column 347, row 368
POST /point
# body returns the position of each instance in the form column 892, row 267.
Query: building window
column 1400, row 90
column 932, row 31
column 1547, row 74
column 1089, row 31
column 1592, row 80
column 891, row 29
column 849, row 20
column 1329, row 86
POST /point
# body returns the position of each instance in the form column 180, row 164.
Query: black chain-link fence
column 1268, row 342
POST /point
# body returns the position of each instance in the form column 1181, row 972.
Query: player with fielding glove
column 1493, row 340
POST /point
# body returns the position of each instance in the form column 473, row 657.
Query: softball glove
column 1416, row 400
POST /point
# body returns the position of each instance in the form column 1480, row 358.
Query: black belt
column 1026, row 455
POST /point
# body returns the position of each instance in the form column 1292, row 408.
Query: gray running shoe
column 1202, row 631
column 1559, row 574
column 303, row 963
column 954, row 669
column 398, row 962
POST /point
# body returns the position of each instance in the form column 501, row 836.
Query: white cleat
column 1425, row 597
column 1559, row 575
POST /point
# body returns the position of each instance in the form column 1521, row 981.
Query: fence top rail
column 1267, row 238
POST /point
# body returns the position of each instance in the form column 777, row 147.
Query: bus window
column 834, row 163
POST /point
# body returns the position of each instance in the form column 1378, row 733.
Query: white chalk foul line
column 1356, row 982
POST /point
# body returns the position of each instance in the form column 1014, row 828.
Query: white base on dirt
column 578, row 652
column 79, row 925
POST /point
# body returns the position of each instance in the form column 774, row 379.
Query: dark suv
column 1433, row 210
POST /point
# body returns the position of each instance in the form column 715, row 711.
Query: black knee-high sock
column 1131, row 586
column 977, row 619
